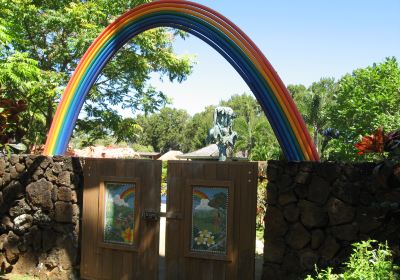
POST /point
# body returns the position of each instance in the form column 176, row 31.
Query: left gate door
column 119, row 231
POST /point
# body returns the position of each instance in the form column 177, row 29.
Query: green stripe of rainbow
column 214, row 29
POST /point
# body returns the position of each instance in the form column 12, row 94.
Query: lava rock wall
column 315, row 211
column 40, row 215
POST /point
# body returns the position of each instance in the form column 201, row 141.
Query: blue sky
column 304, row 41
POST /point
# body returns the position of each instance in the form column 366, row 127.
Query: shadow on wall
column 40, row 216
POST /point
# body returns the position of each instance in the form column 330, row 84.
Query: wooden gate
column 211, row 215
column 117, row 242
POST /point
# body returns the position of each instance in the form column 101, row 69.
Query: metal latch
column 153, row 216
column 174, row 215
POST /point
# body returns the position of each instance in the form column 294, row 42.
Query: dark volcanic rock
column 63, row 212
column 21, row 208
column 284, row 182
column 41, row 218
column 291, row 213
column 286, row 198
column 39, row 194
column 329, row 248
column 339, row 212
column 312, row 215
column 49, row 175
column 20, row 167
column 298, row 236
column 346, row 191
column 274, row 250
column 302, row 178
column 317, row 238
column 64, row 178
column 6, row 223
column 319, row 190
column 368, row 219
column 274, row 222
column 308, row 259
column 346, row 232
column 64, row 194
column 12, row 191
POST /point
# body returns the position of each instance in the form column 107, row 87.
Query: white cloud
column 120, row 202
column 204, row 205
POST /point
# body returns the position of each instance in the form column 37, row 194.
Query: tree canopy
column 340, row 112
column 364, row 100
column 46, row 40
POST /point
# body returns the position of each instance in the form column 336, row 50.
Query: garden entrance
column 210, row 219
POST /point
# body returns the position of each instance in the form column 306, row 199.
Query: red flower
column 373, row 143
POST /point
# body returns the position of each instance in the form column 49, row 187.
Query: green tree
column 365, row 100
column 197, row 129
column 256, row 139
column 163, row 130
column 313, row 103
column 55, row 34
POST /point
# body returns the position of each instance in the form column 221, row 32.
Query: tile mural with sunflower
column 209, row 219
column 119, row 213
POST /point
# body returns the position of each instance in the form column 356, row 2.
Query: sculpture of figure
column 222, row 133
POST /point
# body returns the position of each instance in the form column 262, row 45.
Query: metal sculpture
column 222, row 133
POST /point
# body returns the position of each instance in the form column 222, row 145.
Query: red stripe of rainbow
column 199, row 194
column 125, row 195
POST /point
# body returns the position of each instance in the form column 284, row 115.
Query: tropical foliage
column 339, row 112
column 364, row 100
column 369, row 261
column 41, row 43
column 380, row 142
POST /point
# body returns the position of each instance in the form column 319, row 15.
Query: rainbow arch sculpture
column 214, row 29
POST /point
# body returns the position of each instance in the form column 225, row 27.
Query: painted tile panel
column 209, row 219
column 119, row 213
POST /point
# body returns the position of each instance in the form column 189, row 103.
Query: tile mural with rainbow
column 209, row 219
column 119, row 213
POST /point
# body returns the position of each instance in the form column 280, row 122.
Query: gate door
column 120, row 226
column 211, row 215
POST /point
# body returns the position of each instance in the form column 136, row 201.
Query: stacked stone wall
column 40, row 215
column 315, row 211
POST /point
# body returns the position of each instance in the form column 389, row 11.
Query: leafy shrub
column 261, row 195
column 369, row 261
